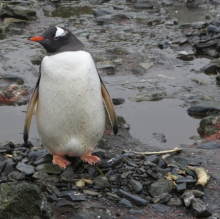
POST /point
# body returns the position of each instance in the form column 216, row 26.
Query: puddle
column 12, row 124
column 188, row 14
column 67, row 11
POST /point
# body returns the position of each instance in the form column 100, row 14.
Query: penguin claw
column 60, row 161
column 91, row 159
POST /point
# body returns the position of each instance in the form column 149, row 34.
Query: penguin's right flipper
column 30, row 111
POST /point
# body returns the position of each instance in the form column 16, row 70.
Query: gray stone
column 16, row 176
column 23, row 200
column 213, row 53
column 163, row 198
column 149, row 96
column 36, row 59
column 199, row 208
column 40, row 175
column 212, row 68
column 160, row 208
column 22, row 12
column 125, row 203
column 160, row 187
column 89, row 192
column 197, row 193
column 204, row 109
column 175, row 202
column 146, row 65
column 134, row 199
column 101, row 181
column 187, row 197
column 180, row 188
column 25, row 169
column 49, row 168
column 136, row 185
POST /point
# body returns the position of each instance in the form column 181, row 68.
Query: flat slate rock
column 133, row 198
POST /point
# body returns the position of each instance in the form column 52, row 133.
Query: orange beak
column 35, row 38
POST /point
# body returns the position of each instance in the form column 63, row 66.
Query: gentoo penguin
column 69, row 97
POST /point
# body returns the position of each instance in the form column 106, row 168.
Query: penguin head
column 57, row 39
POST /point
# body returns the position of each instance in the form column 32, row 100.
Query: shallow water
column 167, row 116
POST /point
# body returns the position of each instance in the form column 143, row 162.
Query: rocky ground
column 160, row 62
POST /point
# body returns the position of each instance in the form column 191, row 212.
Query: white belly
column 70, row 113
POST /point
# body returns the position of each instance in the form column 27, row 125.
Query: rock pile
column 127, row 180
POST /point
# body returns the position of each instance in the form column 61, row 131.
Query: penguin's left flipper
column 110, row 107
column 30, row 111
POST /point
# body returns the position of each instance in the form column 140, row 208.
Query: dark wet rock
column 64, row 202
column 144, row 5
column 209, row 145
column 163, row 198
column 159, row 137
column 150, row 96
column 49, row 168
column 23, row 200
column 133, row 198
column 36, row 59
column 187, row 197
column 7, row 80
column 209, row 126
column 72, row 196
column 134, row 212
column 9, row 167
column 153, row 158
column 180, row 188
column 40, row 175
column 199, row 208
column 136, row 185
column 213, row 53
column 16, row 176
column 109, row 67
column 204, row 109
column 17, row 11
column 175, row 202
column 160, row 208
column 33, row 155
column 118, row 101
column 125, row 203
column 101, row 181
column 113, row 196
column 160, row 187
column 185, row 180
column 110, row 18
column 25, row 169
column 52, row 198
column 186, row 56
column 212, row 68
column 126, row 174
column 197, row 193
column 99, row 13
column 43, row 160
column 162, row 164
column 152, row 174
column 95, row 2
column 49, row 187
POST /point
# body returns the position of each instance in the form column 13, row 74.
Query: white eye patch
column 60, row 32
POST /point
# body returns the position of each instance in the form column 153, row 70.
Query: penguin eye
column 56, row 38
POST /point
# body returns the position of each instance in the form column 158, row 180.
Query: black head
column 57, row 39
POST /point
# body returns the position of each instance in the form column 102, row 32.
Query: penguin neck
column 73, row 45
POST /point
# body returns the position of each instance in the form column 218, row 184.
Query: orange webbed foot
column 61, row 161
column 91, row 159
